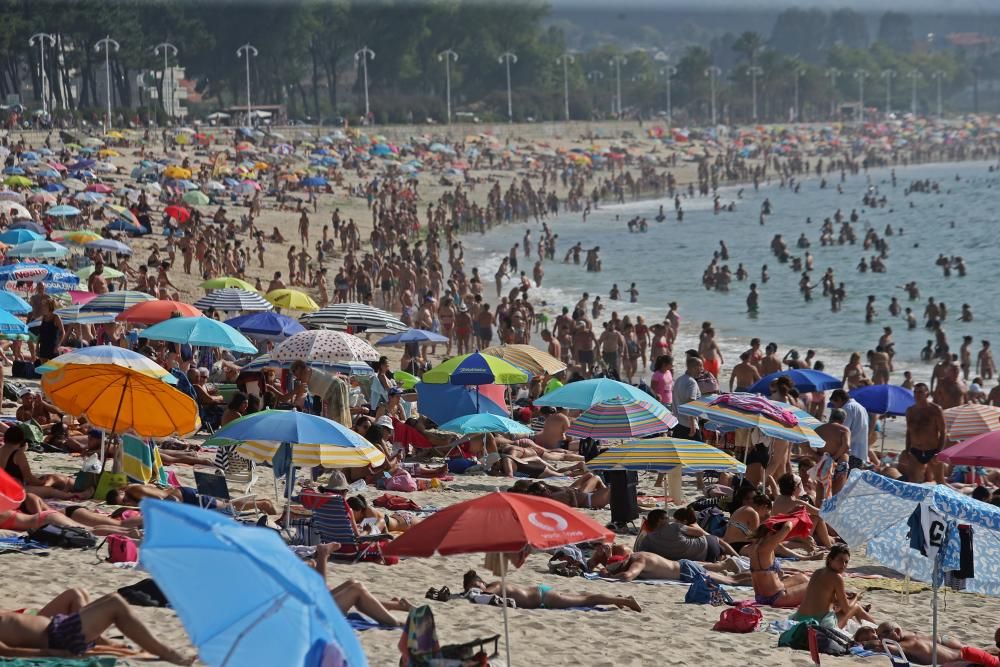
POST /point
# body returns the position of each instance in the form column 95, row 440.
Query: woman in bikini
column 587, row 492
column 854, row 372
column 385, row 522
column 14, row 462
column 771, row 586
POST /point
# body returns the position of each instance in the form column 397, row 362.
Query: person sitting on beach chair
column 74, row 632
column 132, row 494
column 544, row 597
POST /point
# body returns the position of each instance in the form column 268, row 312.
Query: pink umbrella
column 58, row 166
column 253, row 184
column 79, row 298
column 982, row 450
column 100, row 187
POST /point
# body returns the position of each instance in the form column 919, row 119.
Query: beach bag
column 401, row 481
column 705, row 591
column 395, row 503
column 109, row 481
column 714, row 521
column 67, row 537
column 739, row 619
column 122, row 549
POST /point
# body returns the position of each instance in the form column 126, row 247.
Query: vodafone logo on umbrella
column 549, row 521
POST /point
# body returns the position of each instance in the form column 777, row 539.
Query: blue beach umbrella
column 38, row 248
column 314, row 182
column 444, row 402
column 413, row 336
column 204, row 563
column 581, row 395
column 804, row 379
column 884, row 399
column 18, row 236
column 30, row 225
column 201, row 331
column 485, row 423
column 266, row 325
column 110, row 245
column 11, row 325
column 13, row 304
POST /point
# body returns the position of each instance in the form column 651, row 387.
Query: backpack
column 828, row 640
column 739, row 619
column 122, row 549
column 714, row 521
column 67, row 537
column 705, row 591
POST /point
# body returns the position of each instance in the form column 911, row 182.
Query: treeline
column 306, row 60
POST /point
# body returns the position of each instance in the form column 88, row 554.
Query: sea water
column 667, row 262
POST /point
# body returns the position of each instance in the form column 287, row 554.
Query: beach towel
column 802, row 523
column 757, row 405
column 59, row 662
column 360, row 623
column 141, row 461
column 22, row 545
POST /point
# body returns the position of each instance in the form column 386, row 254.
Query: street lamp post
column 564, row 60
column 108, row 44
column 713, row 72
column 447, row 56
column 832, row 73
column 668, row 73
column 754, row 72
column 506, row 58
column 364, row 54
column 617, row 62
column 887, row 75
column 938, row 75
column 246, row 51
column 168, row 49
column 40, row 38
column 861, row 75
column 914, row 77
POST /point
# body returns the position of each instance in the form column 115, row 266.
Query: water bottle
column 358, row 486
column 92, row 464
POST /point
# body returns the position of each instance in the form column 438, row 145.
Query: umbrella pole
column 934, row 626
column 503, row 591
column 289, row 489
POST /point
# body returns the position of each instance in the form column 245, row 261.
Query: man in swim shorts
column 926, row 436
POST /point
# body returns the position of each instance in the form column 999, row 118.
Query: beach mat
column 360, row 623
column 885, row 584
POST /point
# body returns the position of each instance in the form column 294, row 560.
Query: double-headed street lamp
column 108, row 44
column 713, row 73
column 887, row 75
column 617, row 62
column 168, row 49
column 246, row 51
column 40, row 38
column 506, row 58
column 565, row 60
column 754, row 72
column 364, row 54
column 668, row 73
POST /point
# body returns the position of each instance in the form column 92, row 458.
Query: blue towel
column 360, row 623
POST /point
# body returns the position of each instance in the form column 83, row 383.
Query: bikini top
column 12, row 469
column 774, row 567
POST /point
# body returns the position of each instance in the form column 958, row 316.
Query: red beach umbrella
column 152, row 312
column 178, row 213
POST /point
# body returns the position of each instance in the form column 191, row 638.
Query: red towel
column 404, row 434
column 802, row 522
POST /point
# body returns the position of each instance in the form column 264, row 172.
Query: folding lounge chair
column 210, row 485
column 333, row 521
column 240, row 472
column 420, row 647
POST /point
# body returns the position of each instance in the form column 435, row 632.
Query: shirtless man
column 745, row 374
column 647, row 565
column 554, row 347
column 833, row 462
column 584, row 344
column 919, row 648
column 304, row 228
column 544, row 597
column 552, row 437
column 611, row 344
column 770, row 363
column 826, row 600
column 97, row 283
column 67, row 635
column 925, row 437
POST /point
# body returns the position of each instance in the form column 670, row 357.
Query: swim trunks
column 713, row 366
column 925, row 456
column 585, row 356
column 65, row 633
column 690, row 570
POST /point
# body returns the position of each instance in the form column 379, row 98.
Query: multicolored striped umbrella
column 109, row 355
column 311, row 455
column 528, row 357
column 727, row 418
column 115, row 302
column 662, row 454
column 621, row 418
column 233, row 299
column 970, row 420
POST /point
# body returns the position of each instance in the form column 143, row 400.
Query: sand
column 666, row 632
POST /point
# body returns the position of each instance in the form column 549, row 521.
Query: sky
column 932, row 6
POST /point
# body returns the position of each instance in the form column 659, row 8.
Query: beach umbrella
column 313, row 181
column 412, row 336
column 109, row 355
column 108, row 272
column 109, row 245
column 266, row 325
column 121, row 400
column 90, row 197
column 880, row 512
column 10, row 195
column 200, row 331
column 203, row 560
column 324, row 346
column 74, row 184
column 176, row 172
column 409, row 381
column 343, row 367
column 18, row 236
column 444, row 402
column 982, row 450
column 291, row 299
column 120, row 225
column 528, row 357
column 664, row 454
column 723, row 417
column 80, row 297
column 157, row 310
column 971, row 419
column 80, row 237
column 100, row 188
column 179, row 213
column 30, row 225
column 227, row 281
column 619, row 418
column 17, row 181
column 38, row 248
column 72, row 315
column 883, row 399
column 585, row 393
column 515, row 522
column 475, row 369
column 804, row 379
column 14, row 210
column 356, row 317
column 195, row 198
column 23, row 271
column 233, row 299
column 13, row 304
column 485, row 423
column 10, row 325
column 115, row 302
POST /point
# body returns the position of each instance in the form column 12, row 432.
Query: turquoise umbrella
column 203, row 331
column 17, row 236
column 12, row 303
column 484, row 423
column 63, row 211
column 11, row 325
column 581, row 395
column 38, row 249
column 244, row 597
